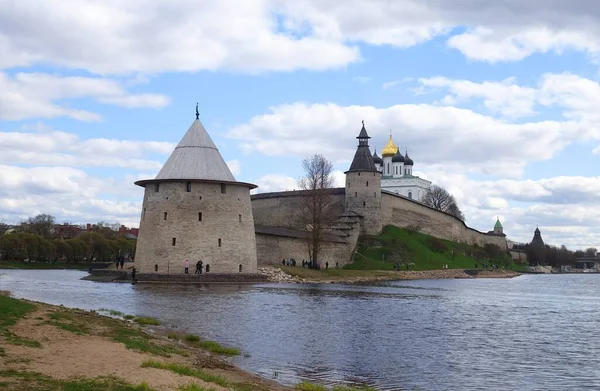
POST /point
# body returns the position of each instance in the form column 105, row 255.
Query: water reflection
column 532, row 332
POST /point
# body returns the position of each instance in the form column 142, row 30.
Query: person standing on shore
column 186, row 266
column 133, row 278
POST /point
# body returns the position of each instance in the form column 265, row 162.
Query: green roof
column 498, row 224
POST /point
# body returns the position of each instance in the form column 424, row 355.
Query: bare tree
column 317, row 211
column 438, row 198
column 591, row 252
column 42, row 225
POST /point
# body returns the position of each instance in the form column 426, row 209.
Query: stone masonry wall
column 403, row 212
column 272, row 249
column 281, row 209
column 226, row 220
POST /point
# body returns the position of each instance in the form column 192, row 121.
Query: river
column 533, row 332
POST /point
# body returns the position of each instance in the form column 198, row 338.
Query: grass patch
column 64, row 315
column 65, row 320
column 172, row 335
column 147, row 321
column 187, row 371
column 79, row 329
column 141, row 342
column 111, row 312
column 129, row 317
column 211, row 346
column 422, row 252
column 2, row 352
column 12, row 310
column 14, row 339
column 36, row 381
column 217, row 348
column 306, row 386
column 194, row 387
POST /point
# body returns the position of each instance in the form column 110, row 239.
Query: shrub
column 437, row 245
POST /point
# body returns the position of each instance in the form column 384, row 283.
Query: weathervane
column 197, row 113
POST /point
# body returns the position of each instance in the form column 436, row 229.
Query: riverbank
column 49, row 347
column 302, row 275
column 42, row 265
column 46, row 347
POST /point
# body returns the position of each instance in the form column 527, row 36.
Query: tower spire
column 197, row 113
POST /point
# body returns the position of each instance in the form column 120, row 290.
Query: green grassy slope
column 422, row 252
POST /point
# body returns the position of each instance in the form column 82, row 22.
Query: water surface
column 533, row 332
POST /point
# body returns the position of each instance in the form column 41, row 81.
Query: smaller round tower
column 363, row 186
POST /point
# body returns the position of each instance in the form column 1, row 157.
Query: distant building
column 537, row 240
column 397, row 173
column 498, row 229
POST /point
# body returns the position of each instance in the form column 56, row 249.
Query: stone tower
column 195, row 209
column 498, row 229
column 537, row 240
column 363, row 186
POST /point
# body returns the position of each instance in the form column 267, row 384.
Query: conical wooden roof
column 196, row 157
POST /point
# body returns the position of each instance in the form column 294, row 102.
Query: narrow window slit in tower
column 165, row 216
column 173, row 241
column 240, row 218
column 199, row 216
column 219, row 242
column 188, row 187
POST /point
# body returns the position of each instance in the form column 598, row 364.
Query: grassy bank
column 44, row 347
column 42, row 265
column 423, row 252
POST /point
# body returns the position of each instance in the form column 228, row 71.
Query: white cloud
column 573, row 94
column 68, row 193
column 273, row 182
column 361, row 79
column 503, row 97
column 37, row 95
column 449, row 137
column 515, row 44
column 234, row 166
column 116, row 37
column 120, row 37
column 56, row 148
column 389, row 84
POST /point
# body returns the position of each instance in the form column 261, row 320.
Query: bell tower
column 363, row 186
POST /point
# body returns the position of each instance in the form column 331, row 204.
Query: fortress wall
column 194, row 239
column 403, row 212
column 272, row 249
column 280, row 209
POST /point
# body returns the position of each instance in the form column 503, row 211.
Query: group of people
column 306, row 264
column 199, row 267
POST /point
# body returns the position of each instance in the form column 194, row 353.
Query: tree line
column 36, row 239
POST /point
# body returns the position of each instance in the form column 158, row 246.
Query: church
column 397, row 173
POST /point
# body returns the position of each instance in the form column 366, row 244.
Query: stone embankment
column 355, row 276
column 277, row 275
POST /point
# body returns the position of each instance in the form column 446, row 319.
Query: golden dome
column 390, row 148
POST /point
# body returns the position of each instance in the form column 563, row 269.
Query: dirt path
column 64, row 355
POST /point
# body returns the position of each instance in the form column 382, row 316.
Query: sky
column 495, row 101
